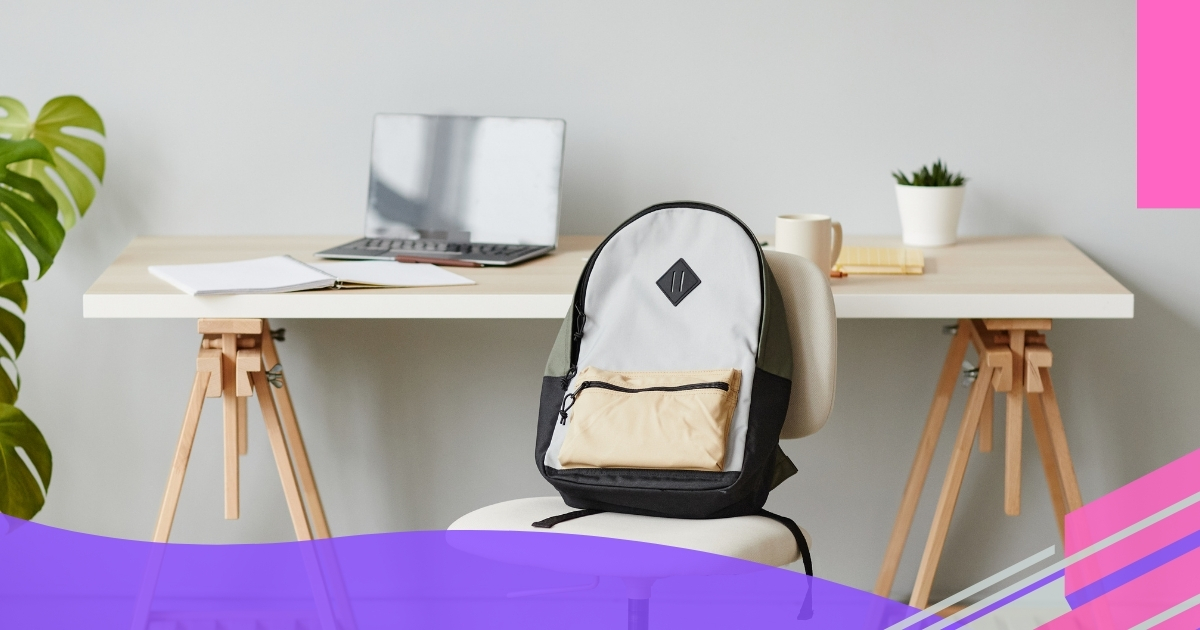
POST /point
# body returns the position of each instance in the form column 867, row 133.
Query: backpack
column 668, row 383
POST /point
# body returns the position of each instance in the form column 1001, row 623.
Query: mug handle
column 837, row 243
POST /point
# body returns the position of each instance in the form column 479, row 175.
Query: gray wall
column 254, row 118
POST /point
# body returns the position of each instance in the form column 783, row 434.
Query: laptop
column 461, row 190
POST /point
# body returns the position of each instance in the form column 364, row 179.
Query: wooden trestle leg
column 208, row 368
column 291, row 429
column 1014, row 361
column 1058, row 438
column 924, row 457
column 986, row 430
column 950, row 488
column 283, row 459
column 1037, row 418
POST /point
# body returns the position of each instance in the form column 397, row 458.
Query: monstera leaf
column 29, row 219
column 28, row 213
column 20, row 495
column 44, row 189
column 12, row 328
column 53, row 128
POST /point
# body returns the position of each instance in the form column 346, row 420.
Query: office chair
column 812, row 325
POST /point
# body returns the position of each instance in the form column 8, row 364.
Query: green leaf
column 12, row 260
column 64, row 111
column 12, row 328
column 33, row 224
column 28, row 213
column 15, row 120
column 8, row 389
column 29, row 187
column 15, row 293
column 14, row 150
column 20, row 495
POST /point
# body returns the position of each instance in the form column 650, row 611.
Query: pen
column 448, row 262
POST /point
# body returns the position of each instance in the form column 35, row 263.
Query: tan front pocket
column 669, row 420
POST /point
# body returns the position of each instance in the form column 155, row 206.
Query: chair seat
column 753, row 538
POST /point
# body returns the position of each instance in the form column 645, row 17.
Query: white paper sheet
column 276, row 274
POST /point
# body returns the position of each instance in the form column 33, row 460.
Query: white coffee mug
column 813, row 236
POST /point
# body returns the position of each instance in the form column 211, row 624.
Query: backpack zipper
column 562, row 412
column 666, row 388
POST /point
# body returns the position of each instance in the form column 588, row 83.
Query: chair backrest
column 812, row 326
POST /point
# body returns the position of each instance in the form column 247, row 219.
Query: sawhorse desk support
column 237, row 358
column 1013, row 360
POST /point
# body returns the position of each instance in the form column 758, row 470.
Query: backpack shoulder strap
column 801, row 543
column 806, row 607
column 547, row 523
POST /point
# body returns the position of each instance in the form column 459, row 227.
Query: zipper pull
column 562, row 411
column 566, row 379
column 578, row 334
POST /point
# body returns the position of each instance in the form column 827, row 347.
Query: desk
column 1013, row 277
column 1004, row 292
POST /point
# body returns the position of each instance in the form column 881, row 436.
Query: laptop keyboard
column 416, row 246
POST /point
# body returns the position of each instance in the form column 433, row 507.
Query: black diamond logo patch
column 678, row 282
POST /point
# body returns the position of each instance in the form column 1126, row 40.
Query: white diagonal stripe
column 987, row 601
column 975, row 588
column 1168, row 613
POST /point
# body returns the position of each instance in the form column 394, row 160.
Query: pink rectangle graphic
column 1168, row 116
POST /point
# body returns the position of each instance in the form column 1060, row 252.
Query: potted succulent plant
column 930, row 202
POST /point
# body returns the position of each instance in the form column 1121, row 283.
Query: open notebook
column 281, row 274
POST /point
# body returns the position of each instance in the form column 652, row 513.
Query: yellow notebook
column 881, row 260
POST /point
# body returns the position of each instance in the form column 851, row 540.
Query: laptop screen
column 465, row 178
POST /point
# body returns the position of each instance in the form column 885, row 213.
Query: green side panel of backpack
column 559, row 362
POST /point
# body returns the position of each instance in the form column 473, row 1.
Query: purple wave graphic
column 55, row 578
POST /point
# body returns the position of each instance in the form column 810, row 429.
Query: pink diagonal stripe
column 1125, row 506
column 1133, row 548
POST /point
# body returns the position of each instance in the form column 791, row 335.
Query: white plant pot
column 929, row 214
